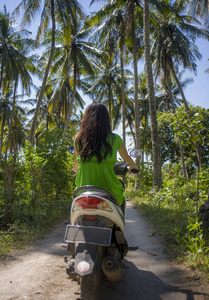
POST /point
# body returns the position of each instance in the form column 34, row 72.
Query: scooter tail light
column 90, row 218
column 89, row 202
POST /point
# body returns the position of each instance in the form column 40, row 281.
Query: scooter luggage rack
column 93, row 188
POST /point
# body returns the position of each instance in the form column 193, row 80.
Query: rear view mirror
column 71, row 150
column 135, row 153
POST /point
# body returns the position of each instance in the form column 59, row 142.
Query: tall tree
column 144, row 115
column 134, row 52
column 61, row 10
column 106, row 86
column 111, row 34
column 15, row 64
column 130, row 8
column 75, row 59
column 157, row 175
column 173, row 46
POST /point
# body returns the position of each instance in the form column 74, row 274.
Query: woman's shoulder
column 117, row 140
column 74, row 138
column 117, row 136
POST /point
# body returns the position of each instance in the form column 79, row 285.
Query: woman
column 96, row 152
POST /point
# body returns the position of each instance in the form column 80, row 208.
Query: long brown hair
column 91, row 139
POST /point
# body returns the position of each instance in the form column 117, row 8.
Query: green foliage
column 17, row 235
column 192, row 129
column 43, row 187
column 145, row 178
column 173, row 211
column 169, row 147
column 5, row 240
column 46, row 183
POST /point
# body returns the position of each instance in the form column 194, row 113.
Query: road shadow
column 138, row 284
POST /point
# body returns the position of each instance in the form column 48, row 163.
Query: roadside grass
column 22, row 233
column 16, row 237
column 175, row 219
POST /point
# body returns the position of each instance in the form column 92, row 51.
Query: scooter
column 95, row 238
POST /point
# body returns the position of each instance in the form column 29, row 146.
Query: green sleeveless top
column 102, row 174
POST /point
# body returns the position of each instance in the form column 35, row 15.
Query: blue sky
column 196, row 93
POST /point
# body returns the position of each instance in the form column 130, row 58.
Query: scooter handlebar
column 121, row 168
column 135, row 171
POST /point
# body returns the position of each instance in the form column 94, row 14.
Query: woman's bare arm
column 76, row 164
column 127, row 158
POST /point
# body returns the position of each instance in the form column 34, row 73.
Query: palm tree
column 130, row 9
column 62, row 10
column 15, row 65
column 200, row 8
column 144, row 115
column 10, row 170
column 73, row 58
column 171, row 47
column 164, row 89
column 157, row 176
column 111, row 36
column 5, row 115
column 106, row 86
column 58, row 90
column 14, row 46
column 16, row 68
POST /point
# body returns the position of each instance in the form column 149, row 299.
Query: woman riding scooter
column 96, row 149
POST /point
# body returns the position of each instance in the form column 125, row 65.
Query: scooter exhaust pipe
column 111, row 268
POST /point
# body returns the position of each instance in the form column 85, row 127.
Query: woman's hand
column 133, row 167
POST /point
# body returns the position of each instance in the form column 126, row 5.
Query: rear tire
column 91, row 284
column 90, row 287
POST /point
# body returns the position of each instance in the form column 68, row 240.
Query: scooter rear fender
column 85, row 259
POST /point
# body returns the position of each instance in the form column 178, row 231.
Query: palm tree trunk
column 123, row 95
column 71, row 102
column 67, row 101
column 9, row 184
column 2, row 69
column 46, row 74
column 157, row 175
column 179, row 139
column 136, row 100
column 180, row 88
column 11, row 119
column 199, row 156
column 110, row 99
column 130, row 126
column 2, row 129
column 9, row 169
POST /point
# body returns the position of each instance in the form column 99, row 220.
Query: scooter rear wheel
column 90, row 287
column 92, row 283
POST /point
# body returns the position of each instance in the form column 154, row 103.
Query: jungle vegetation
column 44, row 82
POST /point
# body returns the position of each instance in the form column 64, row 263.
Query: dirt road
column 39, row 273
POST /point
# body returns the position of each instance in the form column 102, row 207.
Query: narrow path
column 39, row 273
column 149, row 275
